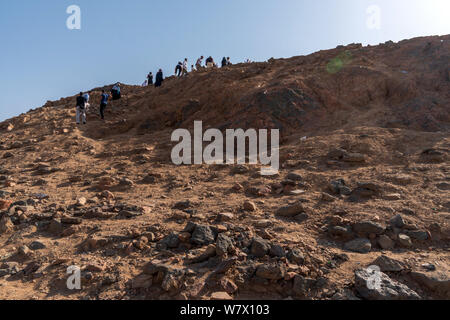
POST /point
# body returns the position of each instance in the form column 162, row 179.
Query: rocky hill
column 364, row 182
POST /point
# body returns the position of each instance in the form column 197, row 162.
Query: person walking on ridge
column 81, row 109
column 179, row 69
column 199, row 62
column 150, row 79
column 185, row 67
column 159, row 78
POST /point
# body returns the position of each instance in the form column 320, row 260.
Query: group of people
column 83, row 103
column 181, row 69
column 158, row 80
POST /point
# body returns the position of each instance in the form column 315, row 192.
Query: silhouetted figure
column 224, row 62
column 179, row 69
column 150, row 79
column 159, row 79
column 210, row 62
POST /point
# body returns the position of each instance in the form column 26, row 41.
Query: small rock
column 397, row 221
column 359, row 245
column 203, row 235
column 221, row 296
column 368, row 227
column 6, row 225
column 385, row 242
column 260, row 247
column 249, row 206
column 81, row 201
column 294, row 176
column 225, row 216
column 271, row 271
column 404, row 240
column 277, row 251
column 36, row 245
column 387, row 264
column 290, row 211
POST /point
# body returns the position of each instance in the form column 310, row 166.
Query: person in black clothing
column 224, row 62
column 150, row 79
column 81, row 109
column 209, row 62
column 159, row 79
column 179, row 69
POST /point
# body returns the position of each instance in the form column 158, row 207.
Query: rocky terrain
column 364, row 181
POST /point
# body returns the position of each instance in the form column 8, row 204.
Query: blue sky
column 41, row 59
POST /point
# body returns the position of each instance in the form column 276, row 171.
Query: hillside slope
column 370, row 180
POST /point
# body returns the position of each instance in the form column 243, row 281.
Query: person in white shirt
column 198, row 65
column 185, row 67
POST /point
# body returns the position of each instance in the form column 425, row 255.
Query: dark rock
column 296, row 256
column 397, row 221
column 277, row 251
column 290, row 211
column 223, row 245
column 275, row 271
column 260, row 247
column 36, row 245
column 368, row 227
column 203, row 235
column 359, row 245
column 387, row 264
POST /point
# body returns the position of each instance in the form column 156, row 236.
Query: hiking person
column 224, row 62
column 159, row 79
column 192, row 68
column 209, row 62
column 150, row 79
column 229, row 61
column 115, row 92
column 81, row 109
column 199, row 62
column 185, row 67
column 87, row 105
column 103, row 104
column 179, row 69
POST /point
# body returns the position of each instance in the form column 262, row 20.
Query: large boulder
column 376, row 285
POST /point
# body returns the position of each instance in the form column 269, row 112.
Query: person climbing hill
column 198, row 64
column 81, row 109
column 224, row 62
column 185, row 67
column 103, row 104
column 179, row 69
column 115, row 92
column 210, row 62
column 150, row 79
column 159, row 78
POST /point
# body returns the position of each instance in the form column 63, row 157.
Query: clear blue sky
column 40, row 59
